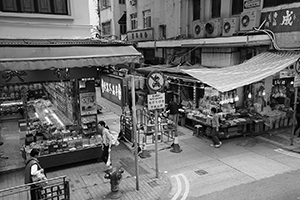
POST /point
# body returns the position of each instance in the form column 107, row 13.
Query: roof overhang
column 256, row 69
column 235, row 41
column 46, row 57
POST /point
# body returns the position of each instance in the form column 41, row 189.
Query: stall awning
column 253, row 70
column 46, row 57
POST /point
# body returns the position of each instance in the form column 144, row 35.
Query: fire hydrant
column 115, row 176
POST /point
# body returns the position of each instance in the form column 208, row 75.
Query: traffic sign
column 156, row 101
column 155, row 81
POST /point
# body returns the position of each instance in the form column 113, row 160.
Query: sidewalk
column 282, row 138
column 87, row 180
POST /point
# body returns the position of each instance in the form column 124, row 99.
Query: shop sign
column 285, row 20
column 297, row 81
column 249, row 4
column 156, row 101
column 112, row 89
column 88, row 104
column 140, row 35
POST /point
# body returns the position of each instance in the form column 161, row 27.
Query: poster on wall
column 112, row 89
column 88, row 105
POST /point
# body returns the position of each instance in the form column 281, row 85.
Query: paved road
column 243, row 168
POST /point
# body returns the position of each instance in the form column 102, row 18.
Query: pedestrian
column 106, row 143
column 173, row 111
column 297, row 118
column 33, row 168
column 215, row 129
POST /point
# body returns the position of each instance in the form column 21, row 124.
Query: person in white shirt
column 106, row 142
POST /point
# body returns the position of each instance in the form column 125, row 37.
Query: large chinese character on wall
column 285, row 20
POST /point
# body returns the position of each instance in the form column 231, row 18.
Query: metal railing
column 56, row 189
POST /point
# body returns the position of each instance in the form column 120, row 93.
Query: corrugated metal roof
column 257, row 68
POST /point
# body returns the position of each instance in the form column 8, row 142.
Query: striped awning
column 46, row 57
column 255, row 69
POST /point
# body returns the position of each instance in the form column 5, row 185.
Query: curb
column 289, row 148
column 8, row 171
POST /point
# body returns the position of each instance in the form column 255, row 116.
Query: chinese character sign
column 88, row 104
column 285, row 20
column 112, row 89
column 250, row 4
column 156, row 101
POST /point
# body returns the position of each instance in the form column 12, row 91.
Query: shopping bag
column 40, row 179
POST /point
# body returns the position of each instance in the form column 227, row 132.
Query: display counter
column 60, row 142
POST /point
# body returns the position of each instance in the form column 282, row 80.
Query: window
column 123, row 28
column 106, row 29
column 196, row 10
column 147, row 18
column 105, row 3
column 162, row 31
column 58, row 7
column 237, row 7
column 121, row 1
column 271, row 3
column 134, row 22
column 215, row 8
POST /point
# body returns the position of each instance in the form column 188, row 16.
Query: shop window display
column 47, row 120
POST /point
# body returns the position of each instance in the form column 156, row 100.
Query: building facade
column 45, row 19
column 113, row 19
column 211, row 32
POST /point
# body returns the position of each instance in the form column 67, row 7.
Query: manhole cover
column 201, row 172
column 153, row 183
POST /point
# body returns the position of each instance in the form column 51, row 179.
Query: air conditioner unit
column 249, row 19
column 230, row 26
column 213, row 27
column 198, row 29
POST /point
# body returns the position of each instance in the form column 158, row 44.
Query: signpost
column 156, row 83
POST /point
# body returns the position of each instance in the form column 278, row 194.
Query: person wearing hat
column 32, row 168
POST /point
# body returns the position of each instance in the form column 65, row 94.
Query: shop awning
column 46, row 57
column 257, row 68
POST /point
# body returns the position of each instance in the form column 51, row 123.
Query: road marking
column 187, row 187
column 288, row 153
column 178, row 188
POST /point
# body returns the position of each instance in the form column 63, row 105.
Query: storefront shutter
column 9, row 5
column 27, row 6
column 44, row 6
column 60, row 7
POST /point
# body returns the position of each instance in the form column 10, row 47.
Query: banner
column 112, row 89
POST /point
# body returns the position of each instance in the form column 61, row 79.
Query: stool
column 198, row 130
column 1, row 155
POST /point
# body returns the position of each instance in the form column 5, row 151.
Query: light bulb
column 249, row 95
column 236, row 98
column 264, row 93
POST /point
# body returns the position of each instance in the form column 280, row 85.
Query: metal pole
column 294, row 115
column 134, row 124
column 156, row 146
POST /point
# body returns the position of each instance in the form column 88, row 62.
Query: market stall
column 251, row 97
column 52, row 94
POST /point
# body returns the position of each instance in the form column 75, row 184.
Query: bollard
column 115, row 176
